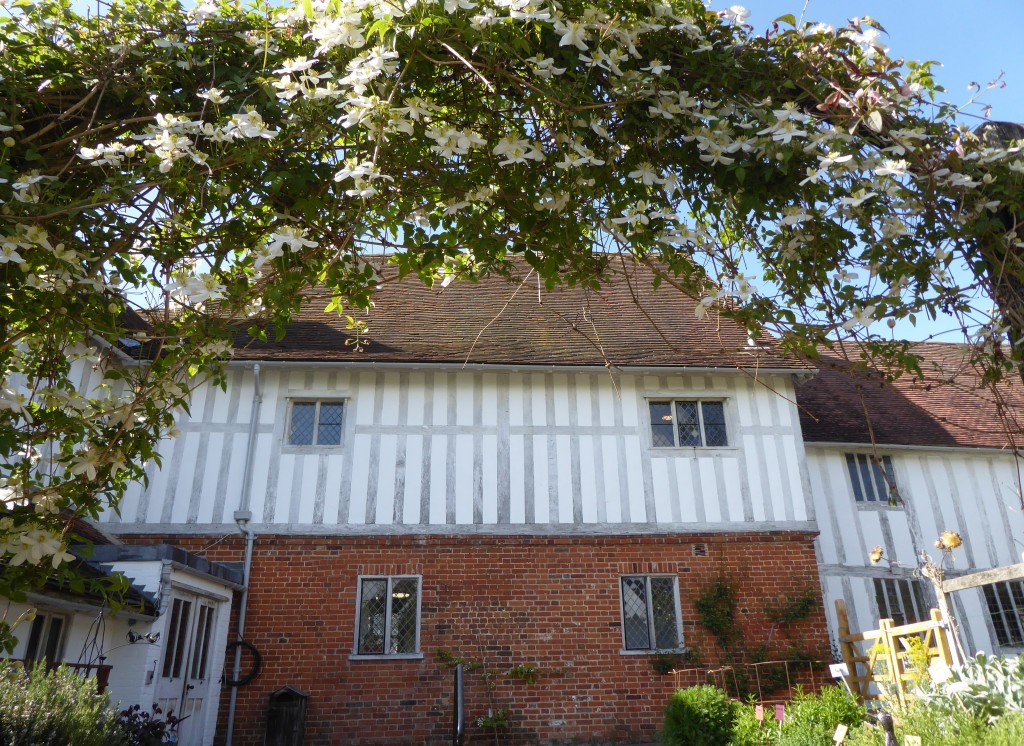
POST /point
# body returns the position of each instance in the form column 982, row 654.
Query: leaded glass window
column 650, row 613
column 872, row 478
column 901, row 600
column 1005, row 603
column 389, row 616
column 688, row 424
column 315, row 423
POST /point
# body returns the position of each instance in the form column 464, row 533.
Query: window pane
column 995, row 612
column 714, row 424
column 35, row 636
column 663, row 607
column 896, row 610
column 1011, row 613
column 372, row 616
column 686, row 412
column 661, row 412
column 329, row 430
column 888, row 602
column 303, row 417
column 912, row 603
column 635, row 626
column 851, row 465
column 714, row 436
column 892, row 491
column 204, row 630
column 661, row 424
column 172, row 636
column 689, row 436
column 865, row 475
column 1016, row 589
column 689, row 424
column 881, row 487
column 403, row 615
column 714, row 412
column 53, row 636
column 661, row 436
column 179, row 646
column 921, row 605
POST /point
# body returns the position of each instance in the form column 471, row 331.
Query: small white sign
column 839, row 670
column 840, row 734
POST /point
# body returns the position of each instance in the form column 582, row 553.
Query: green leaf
column 869, row 21
column 787, row 18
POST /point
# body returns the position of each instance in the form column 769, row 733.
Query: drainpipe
column 243, row 516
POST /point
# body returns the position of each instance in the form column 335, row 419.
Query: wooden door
column 184, row 687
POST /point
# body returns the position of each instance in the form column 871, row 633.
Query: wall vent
column 700, row 550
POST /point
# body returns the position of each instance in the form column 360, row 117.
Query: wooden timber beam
column 985, row 577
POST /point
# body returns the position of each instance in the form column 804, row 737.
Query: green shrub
column 699, row 716
column 811, row 719
column 981, row 704
column 749, row 731
column 934, row 727
column 1007, row 731
column 52, row 709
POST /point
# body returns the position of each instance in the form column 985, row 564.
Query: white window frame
column 1012, row 616
column 918, row 596
column 418, row 653
column 700, row 401
column 870, row 494
column 47, row 618
column 318, row 401
column 650, row 615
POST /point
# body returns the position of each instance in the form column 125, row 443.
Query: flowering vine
column 171, row 176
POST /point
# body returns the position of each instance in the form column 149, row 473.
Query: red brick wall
column 549, row 602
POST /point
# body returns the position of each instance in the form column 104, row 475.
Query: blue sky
column 975, row 41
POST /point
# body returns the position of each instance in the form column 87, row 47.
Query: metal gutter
column 987, row 450
column 243, row 517
column 523, row 368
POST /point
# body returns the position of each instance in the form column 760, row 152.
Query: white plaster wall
column 468, row 450
column 971, row 491
column 88, row 636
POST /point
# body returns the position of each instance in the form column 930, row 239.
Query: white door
column 184, row 673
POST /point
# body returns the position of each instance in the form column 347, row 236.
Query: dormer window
column 688, row 423
column 315, row 423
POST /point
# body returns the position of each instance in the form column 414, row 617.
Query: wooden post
column 892, row 657
column 941, row 586
column 848, row 652
column 942, row 639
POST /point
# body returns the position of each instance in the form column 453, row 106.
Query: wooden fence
column 880, row 657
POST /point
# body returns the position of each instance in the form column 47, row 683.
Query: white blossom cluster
column 32, row 546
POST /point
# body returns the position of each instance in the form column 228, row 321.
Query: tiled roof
column 948, row 407
column 89, row 531
column 495, row 321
